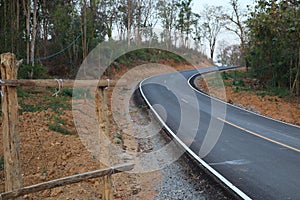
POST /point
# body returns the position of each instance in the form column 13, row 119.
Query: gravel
column 183, row 178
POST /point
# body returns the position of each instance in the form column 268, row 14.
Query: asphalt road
column 255, row 156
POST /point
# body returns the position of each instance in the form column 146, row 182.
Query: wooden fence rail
column 54, row 83
column 66, row 181
column 11, row 135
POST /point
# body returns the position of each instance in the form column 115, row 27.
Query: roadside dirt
column 47, row 154
column 284, row 109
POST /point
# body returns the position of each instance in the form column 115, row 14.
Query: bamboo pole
column 10, row 124
column 67, row 181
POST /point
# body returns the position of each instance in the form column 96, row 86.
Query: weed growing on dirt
column 242, row 81
column 58, row 128
column 2, row 163
column 57, row 124
column 31, row 102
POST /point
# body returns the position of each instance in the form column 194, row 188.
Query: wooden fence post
column 108, row 185
column 102, row 111
column 10, row 124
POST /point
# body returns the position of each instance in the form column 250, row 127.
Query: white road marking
column 185, row 101
column 232, row 162
column 202, row 162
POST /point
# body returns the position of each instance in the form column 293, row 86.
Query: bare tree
column 230, row 55
column 129, row 14
column 29, row 8
column 213, row 22
column 145, row 18
column 26, row 7
column 33, row 32
column 236, row 24
column 168, row 12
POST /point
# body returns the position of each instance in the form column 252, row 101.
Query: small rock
column 64, row 163
column 56, row 191
column 64, row 157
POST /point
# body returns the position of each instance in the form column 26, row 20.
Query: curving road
column 255, row 156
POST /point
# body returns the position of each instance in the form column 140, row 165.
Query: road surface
column 257, row 157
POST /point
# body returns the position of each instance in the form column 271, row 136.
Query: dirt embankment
column 285, row 109
column 47, row 154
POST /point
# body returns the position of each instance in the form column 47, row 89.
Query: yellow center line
column 260, row 136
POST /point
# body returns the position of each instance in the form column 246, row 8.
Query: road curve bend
column 255, row 156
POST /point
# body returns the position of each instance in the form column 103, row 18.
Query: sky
column 225, row 3
column 228, row 37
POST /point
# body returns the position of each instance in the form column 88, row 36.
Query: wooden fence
column 11, row 135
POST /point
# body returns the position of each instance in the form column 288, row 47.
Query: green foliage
column 22, row 93
column 2, row 163
column 239, row 83
column 32, row 72
column 119, row 136
column 57, row 126
column 233, row 75
column 78, row 93
column 236, row 79
column 225, row 75
column 273, row 50
column 148, row 55
column 68, row 92
column 280, row 92
column 185, row 17
column 262, row 93
column 30, row 102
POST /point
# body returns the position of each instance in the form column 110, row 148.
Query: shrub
column 32, row 72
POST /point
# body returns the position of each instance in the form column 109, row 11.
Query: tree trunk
column 33, row 34
column 212, row 48
column 18, row 27
column 129, row 22
column 84, row 46
column 5, row 20
column 139, row 19
column 296, row 84
column 26, row 8
column 45, row 27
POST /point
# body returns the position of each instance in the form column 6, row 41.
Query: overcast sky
column 198, row 4
column 227, row 37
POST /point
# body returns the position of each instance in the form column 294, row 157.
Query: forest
column 59, row 34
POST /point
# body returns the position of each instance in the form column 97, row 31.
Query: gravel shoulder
column 47, row 154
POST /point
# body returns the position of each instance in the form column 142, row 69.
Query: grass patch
column 240, row 81
column 2, row 163
column 119, row 136
column 148, row 55
column 235, row 74
column 31, row 102
column 262, row 94
column 78, row 93
column 280, row 92
column 57, row 126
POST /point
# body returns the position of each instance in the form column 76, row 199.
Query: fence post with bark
column 11, row 133
column 102, row 112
